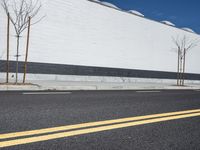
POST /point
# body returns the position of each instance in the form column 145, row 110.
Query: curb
column 91, row 87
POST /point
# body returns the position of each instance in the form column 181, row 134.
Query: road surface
column 90, row 120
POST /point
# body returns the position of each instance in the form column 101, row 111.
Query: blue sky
column 183, row 13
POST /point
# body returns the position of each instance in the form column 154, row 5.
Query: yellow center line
column 91, row 130
column 90, row 124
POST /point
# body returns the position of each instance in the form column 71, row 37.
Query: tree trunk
column 17, row 60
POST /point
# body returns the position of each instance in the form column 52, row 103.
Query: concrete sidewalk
column 63, row 85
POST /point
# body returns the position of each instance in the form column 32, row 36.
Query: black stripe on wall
column 60, row 69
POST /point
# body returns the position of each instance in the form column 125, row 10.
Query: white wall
column 80, row 32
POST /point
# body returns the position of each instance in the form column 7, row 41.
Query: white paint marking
column 45, row 93
column 148, row 91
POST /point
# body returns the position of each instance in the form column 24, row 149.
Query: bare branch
column 38, row 20
column 20, row 11
column 184, row 44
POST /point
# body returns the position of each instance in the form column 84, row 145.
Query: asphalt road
column 25, row 111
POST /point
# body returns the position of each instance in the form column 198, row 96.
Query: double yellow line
column 18, row 138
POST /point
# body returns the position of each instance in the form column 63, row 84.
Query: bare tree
column 20, row 11
column 183, row 45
